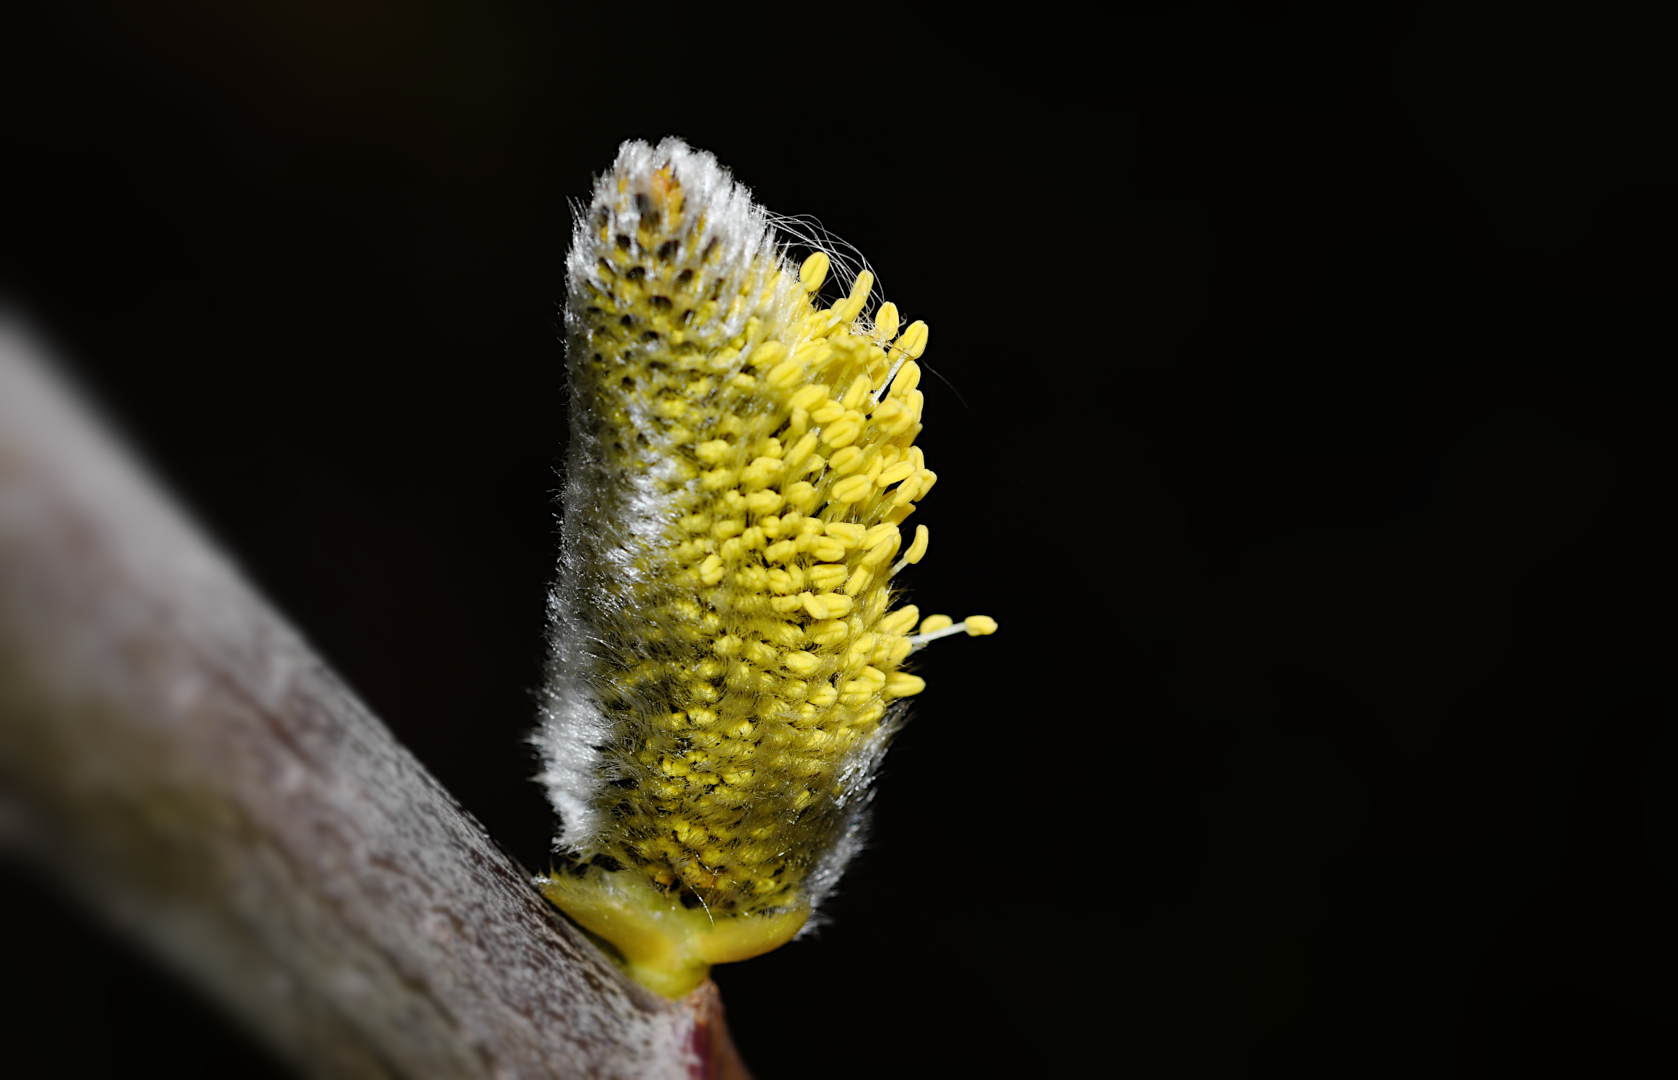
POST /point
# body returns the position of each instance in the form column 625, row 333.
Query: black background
column 1304, row 412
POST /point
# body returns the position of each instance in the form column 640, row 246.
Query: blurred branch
column 173, row 754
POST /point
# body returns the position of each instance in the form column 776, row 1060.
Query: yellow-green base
column 666, row 946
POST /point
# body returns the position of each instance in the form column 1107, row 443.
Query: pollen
column 743, row 459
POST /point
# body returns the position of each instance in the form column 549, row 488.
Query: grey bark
column 174, row 754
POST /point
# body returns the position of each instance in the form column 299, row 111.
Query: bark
column 173, row 753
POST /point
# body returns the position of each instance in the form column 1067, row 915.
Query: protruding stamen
column 940, row 626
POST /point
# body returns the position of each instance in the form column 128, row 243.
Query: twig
column 173, row 753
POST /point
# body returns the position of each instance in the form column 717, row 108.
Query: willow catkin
column 726, row 662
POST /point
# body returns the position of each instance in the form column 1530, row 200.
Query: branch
column 174, row 754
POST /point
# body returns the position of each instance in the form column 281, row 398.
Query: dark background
column 1304, row 413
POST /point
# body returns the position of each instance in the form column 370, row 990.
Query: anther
column 768, row 354
column 801, row 450
column 827, row 413
column 785, row 373
column 885, row 321
column 847, row 309
column 814, row 272
column 846, row 460
column 827, row 577
column 892, row 474
column 916, row 552
column 900, row 620
column 913, row 341
column 809, row 397
column 859, row 387
column 902, row 684
column 847, row 533
column 852, row 488
column 841, row 433
column 802, row 663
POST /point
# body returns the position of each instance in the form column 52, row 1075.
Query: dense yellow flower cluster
column 742, row 471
